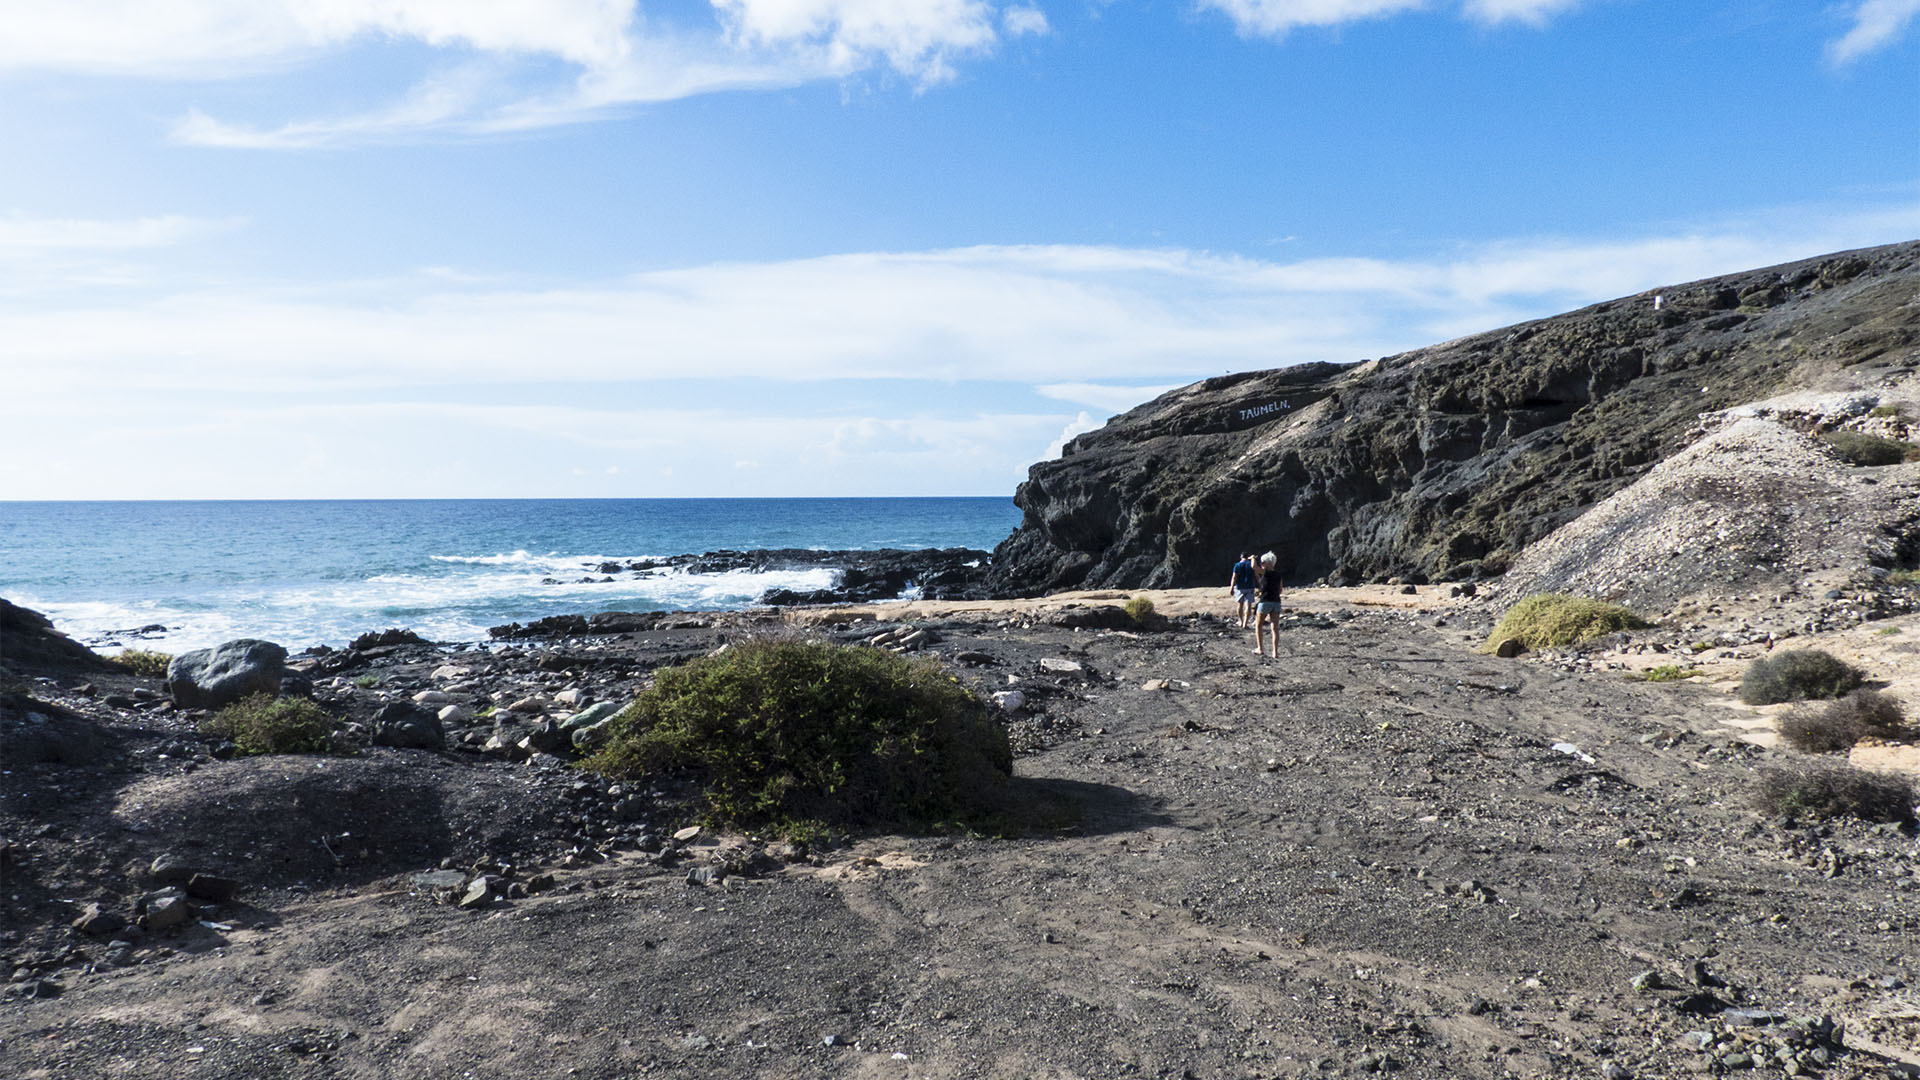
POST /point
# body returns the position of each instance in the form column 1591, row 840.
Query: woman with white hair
column 1267, row 611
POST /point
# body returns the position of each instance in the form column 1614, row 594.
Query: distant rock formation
column 1444, row 463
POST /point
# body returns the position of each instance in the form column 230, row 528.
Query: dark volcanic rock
column 28, row 642
column 1448, row 460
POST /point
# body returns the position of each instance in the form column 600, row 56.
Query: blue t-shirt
column 1243, row 574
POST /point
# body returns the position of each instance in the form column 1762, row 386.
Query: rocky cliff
column 1445, row 462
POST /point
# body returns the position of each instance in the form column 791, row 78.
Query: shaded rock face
column 1443, row 463
column 29, row 643
column 212, row 678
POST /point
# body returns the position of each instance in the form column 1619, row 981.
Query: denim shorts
column 1269, row 607
column 1249, row 596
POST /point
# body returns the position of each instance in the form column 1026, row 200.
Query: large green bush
column 1827, row 791
column 1797, row 675
column 1550, row 620
column 264, row 724
column 797, row 734
column 1140, row 609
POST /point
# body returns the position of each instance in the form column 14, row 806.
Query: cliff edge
column 1446, row 462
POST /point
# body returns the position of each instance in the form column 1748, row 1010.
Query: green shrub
column 1826, row 791
column 1874, row 713
column 796, row 734
column 1902, row 577
column 367, row 682
column 1884, row 410
column 1670, row 673
column 264, row 724
column 1140, row 609
column 143, row 662
column 1797, row 675
column 1548, row 620
column 1860, row 448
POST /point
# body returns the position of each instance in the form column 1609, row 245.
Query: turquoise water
column 322, row 572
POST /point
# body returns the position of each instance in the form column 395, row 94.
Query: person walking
column 1267, row 607
column 1244, row 583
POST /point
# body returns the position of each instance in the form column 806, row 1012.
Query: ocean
column 323, row 572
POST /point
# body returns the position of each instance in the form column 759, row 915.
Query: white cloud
column 1021, row 21
column 611, row 53
column 1876, row 25
column 21, row 235
column 1274, row 18
column 1046, row 315
column 1079, row 425
column 916, row 37
column 1532, row 12
column 222, row 38
column 1107, row 398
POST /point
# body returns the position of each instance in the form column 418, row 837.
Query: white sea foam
column 457, row 603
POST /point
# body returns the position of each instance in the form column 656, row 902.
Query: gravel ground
column 1382, row 852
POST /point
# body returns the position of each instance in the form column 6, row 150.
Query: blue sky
column 447, row 248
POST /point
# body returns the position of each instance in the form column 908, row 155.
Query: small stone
column 1009, row 700
column 1152, row 685
column 168, row 908
column 212, row 888
column 97, row 921
column 1061, row 667
column 833, row 1040
column 432, row 697
column 1508, row 648
column 438, row 879
column 1613, row 1070
column 706, row 875
column 1648, row 980
column 479, row 893
column 528, row 705
column 686, row 834
column 170, row 869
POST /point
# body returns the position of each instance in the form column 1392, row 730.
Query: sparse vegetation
column 1140, row 609
column 1903, row 577
column 1827, row 791
column 1549, row 620
column 1860, row 448
column 367, row 682
column 144, row 662
column 1670, row 673
column 1798, row 675
column 797, row 734
column 1884, row 411
column 263, row 724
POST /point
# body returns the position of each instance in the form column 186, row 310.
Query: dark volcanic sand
column 1365, row 856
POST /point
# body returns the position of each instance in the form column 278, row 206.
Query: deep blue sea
column 322, row 572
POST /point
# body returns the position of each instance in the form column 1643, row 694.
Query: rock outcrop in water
column 1445, row 462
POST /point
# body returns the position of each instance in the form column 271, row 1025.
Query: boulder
column 591, row 715
column 28, row 642
column 407, row 726
column 212, row 678
column 168, row 908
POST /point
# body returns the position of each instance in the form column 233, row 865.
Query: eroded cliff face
column 1445, row 462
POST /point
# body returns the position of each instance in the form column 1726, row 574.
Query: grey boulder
column 407, row 726
column 212, row 678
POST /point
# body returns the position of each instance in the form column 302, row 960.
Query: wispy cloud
column 1104, row 396
column 1877, row 24
column 21, row 235
column 1065, row 317
column 1276, row 18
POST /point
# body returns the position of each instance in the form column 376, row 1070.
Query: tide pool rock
column 222, row 675
column 591, row 715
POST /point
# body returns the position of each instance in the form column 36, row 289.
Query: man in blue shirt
column 1243, row 586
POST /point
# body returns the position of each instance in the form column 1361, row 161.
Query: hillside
column 1446, row 462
